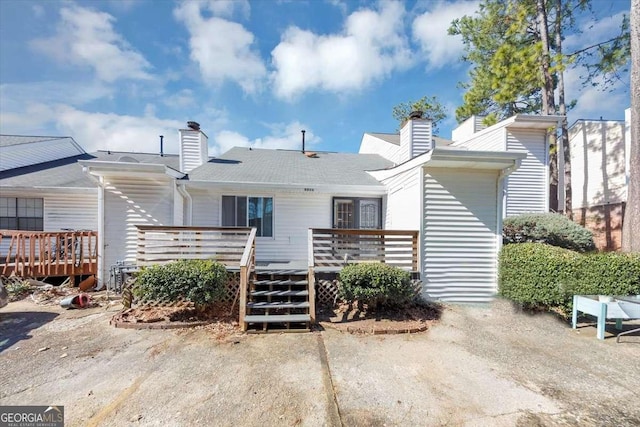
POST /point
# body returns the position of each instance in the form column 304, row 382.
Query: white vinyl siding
column 75, row 211
column 193, row 149
column 597, row 163
column 294, row 213
column 492, row 140
column 372, row 145
column 205, row 208
column 467, row 128
column 130, row 202
column 527, row 187
column 78, row 211
column 15, row 156
column 460, row 239
column 403, row 201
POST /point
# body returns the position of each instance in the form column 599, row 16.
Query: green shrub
column 545, row 277
column 551, row 228
column 375, row 284
column 200, row 281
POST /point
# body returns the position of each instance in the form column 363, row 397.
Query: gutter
column 100, row 282
column 183, row 191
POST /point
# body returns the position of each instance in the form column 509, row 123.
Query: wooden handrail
column 247, row 266
column 330, row 247
column 50, row 253
column 235, row 247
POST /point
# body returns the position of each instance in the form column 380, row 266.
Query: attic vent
column 128, row 159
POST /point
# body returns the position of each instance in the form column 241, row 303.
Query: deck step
column 268, row 305
column 279, row 318
column 280, row 282
column 279, row 293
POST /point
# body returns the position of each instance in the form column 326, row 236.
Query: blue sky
column 116, row 74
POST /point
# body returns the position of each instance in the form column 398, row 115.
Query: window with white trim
column 243, row 211
column 20, row 213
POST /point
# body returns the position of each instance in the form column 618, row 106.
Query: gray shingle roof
column 244, row 165
column 68, row 172
column 8, row 140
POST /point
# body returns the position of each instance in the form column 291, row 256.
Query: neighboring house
column 452, row 194
column 599, row 177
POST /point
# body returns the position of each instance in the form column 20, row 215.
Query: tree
column 430, row 107
column 515, row 47
column 631, row 223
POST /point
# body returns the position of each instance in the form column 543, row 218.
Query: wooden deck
column 48, row 254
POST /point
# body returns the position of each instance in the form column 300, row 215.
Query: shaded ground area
column 478, row 366
column 417, row 317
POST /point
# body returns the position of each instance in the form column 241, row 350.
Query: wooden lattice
column 327, row 291
column 232, row 289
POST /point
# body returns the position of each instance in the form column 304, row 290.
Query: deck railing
column 234, row 247
column 48, row 253
column 334, row 248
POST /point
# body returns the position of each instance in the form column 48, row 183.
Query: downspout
column 185, row 194
column 101, row 245
column 500, row 196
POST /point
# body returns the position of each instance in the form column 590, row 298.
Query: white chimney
column 415, row 137
column 194, row 147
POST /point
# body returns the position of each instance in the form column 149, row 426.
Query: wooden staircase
column 279, row 301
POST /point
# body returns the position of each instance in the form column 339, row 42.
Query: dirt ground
column 478, row 366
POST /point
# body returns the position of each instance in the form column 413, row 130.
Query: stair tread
column 265, row 304
column 280, row 282
column 277, row 318
column 279, row 293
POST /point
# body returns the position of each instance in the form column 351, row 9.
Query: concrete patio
column 492, row 366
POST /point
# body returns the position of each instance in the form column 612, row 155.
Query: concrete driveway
column 480, row 366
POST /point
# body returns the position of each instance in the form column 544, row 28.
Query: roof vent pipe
column 161, row 146
column 303, row 132
column 193, row 125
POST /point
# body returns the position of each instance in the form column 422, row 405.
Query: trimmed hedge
column 551, row 228
column 375, row 284
column 541, row 276
column 200, row 281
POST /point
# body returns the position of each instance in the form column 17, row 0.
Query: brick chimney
column 415, row 137
column 194, row 147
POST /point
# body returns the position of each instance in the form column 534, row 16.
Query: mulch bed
column 417, row 317
column 176, row 315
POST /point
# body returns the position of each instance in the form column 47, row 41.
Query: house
column 454, row 193
column 599, row 176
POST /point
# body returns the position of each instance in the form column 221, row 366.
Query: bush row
column 538, row 275
column 551, row 228
column 375, row 284
column 200, row 281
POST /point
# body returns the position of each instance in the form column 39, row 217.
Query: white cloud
column 430, row 31
column 38, row 10
column 181, row 99
column 13, row 96
column 94, row 130
column 284, row 136
column 86, row 37
column 223, row 49
column 370, row 46
column 592, row 32
column 593, row 102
